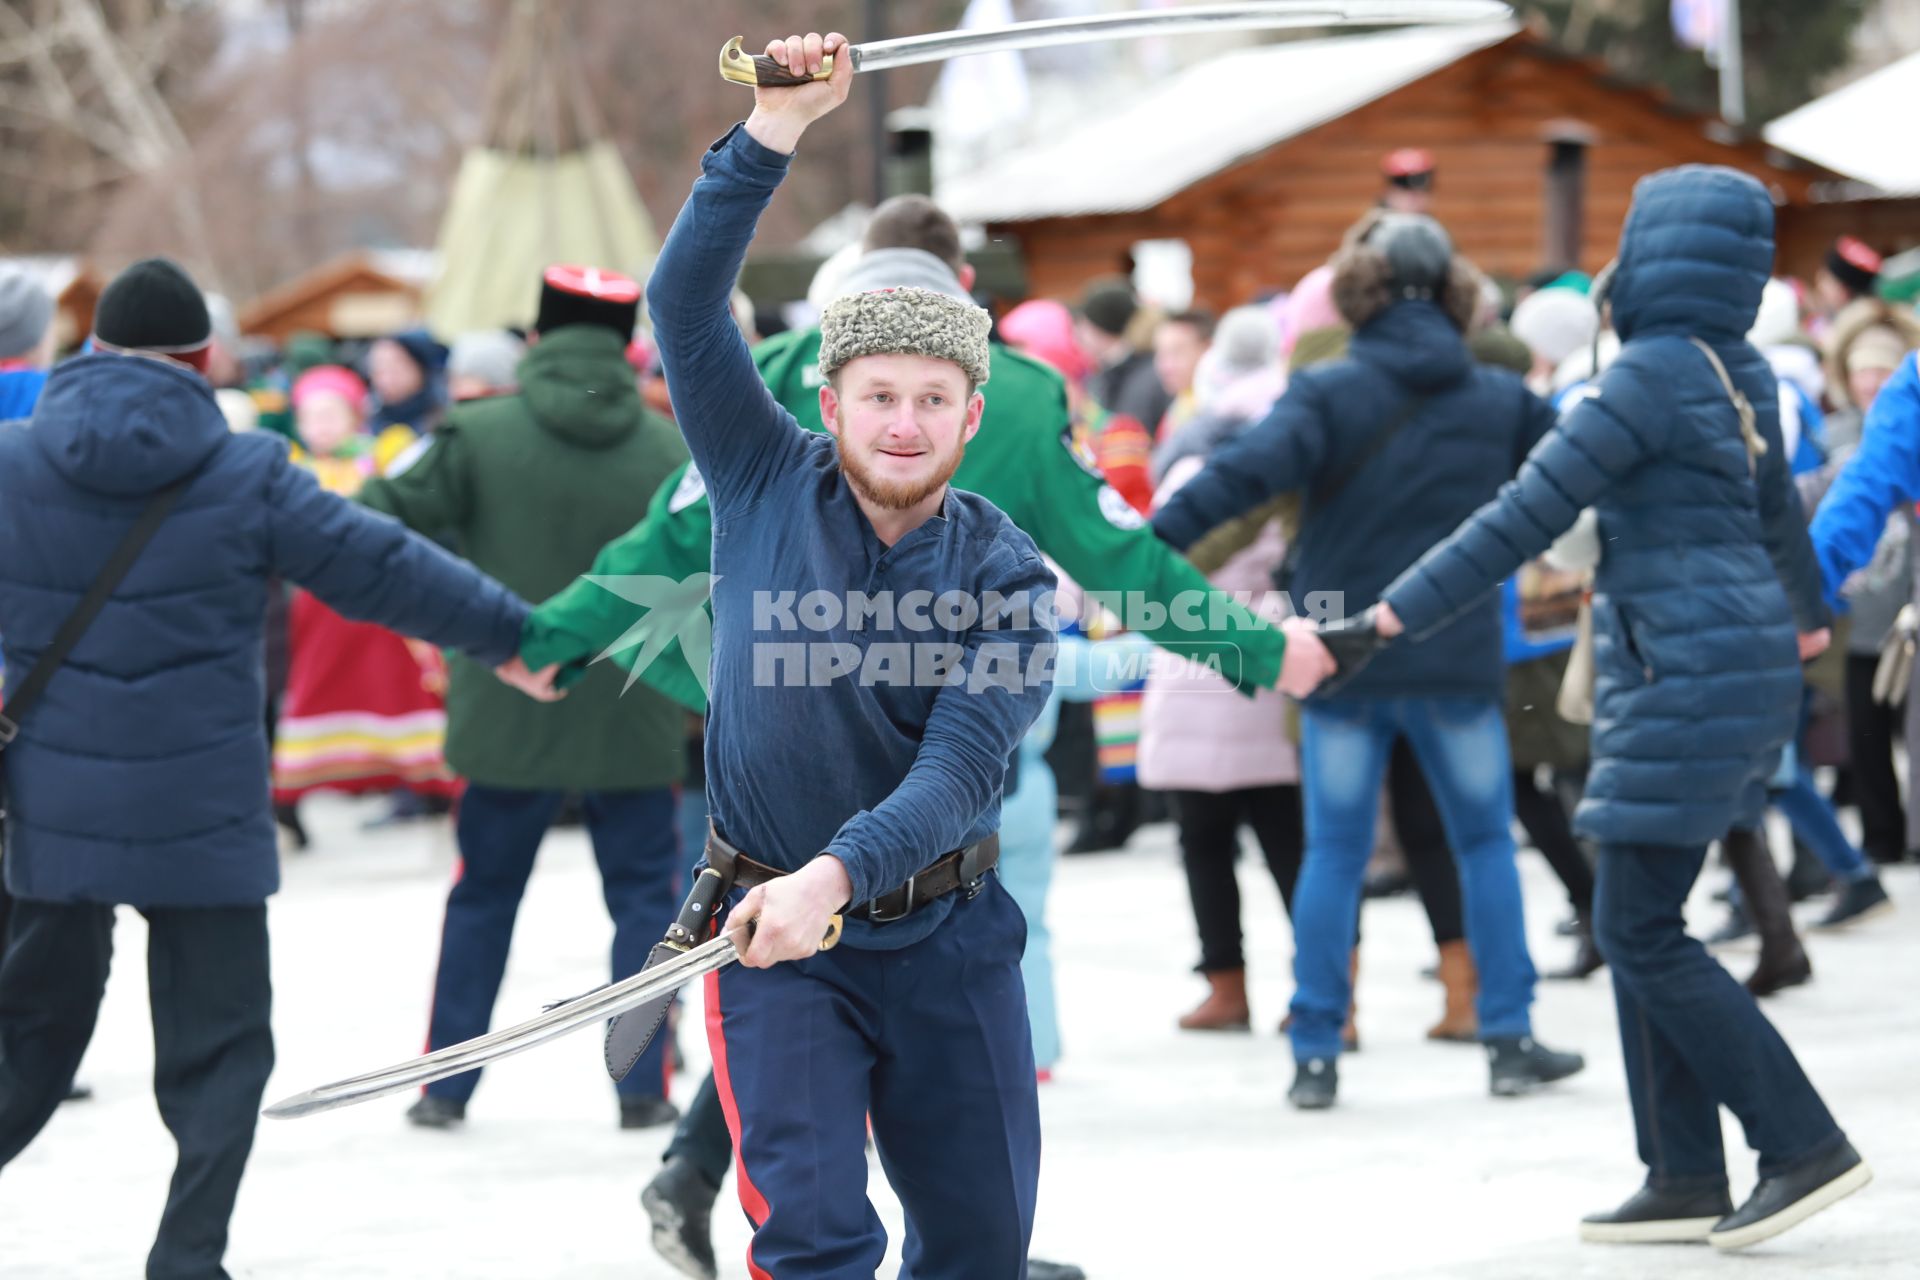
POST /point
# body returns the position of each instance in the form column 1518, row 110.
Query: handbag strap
column 89, row 607
column 1755, row 442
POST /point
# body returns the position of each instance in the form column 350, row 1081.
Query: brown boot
column 1350, row 1034
column 1458, row 1021
column 1783, row 960
column 1225, row 1008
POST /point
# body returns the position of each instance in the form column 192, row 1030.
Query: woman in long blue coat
column 1705, row 602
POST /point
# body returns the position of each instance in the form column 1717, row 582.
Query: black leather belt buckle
column 895, row 904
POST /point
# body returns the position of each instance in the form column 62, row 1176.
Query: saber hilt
column 762, row 72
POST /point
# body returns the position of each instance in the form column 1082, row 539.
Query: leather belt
column 963, row 869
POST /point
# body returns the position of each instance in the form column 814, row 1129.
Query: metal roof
column 1861, row 130
column 1202, row 120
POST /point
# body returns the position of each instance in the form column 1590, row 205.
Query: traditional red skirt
column 364, row 709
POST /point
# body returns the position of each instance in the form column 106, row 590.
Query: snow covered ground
column 1167, row 1154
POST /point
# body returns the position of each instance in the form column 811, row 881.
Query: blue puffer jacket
column 1471, row 432
column 141, row 777
column 1698, row 676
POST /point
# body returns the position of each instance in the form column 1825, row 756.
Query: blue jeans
column 636, row 842
column 1692, row 1038
column 1811, row 816
column 1461, row 744
column 1027, row 856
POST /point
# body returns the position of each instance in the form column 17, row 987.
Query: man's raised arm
column 738, row 434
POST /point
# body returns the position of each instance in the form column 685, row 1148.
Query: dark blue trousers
column 208, row 984
column 636, row 841
column 931, row 1042
column 1694, row 1040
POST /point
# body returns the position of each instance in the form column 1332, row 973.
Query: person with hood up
column 1705, row 603
column 532, row 485
column 140, row 779
column 1408, row 400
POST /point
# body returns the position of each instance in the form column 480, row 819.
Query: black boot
column 1316, row 1083
column 1518, row 1065
column 646, row 1112
column 436, row 1113
column 679, row 1204
column 1653, row 1216
column 1808, row 876
column 1587, row 960
column 1789, row 1199
column 288, row 816
column 1038, row 1270
column 1858, row 901
column 1783, row 961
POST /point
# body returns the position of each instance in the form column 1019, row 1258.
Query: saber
column 655, row 983
column 879, row 55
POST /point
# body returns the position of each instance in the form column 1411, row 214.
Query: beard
column 895, row 495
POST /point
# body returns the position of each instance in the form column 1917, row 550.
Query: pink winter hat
column 1309, row 307
column 1043, row 329
column 331, row 379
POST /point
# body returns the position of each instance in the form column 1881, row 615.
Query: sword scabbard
column 761, row 72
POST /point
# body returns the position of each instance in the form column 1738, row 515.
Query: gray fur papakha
column 905, row 321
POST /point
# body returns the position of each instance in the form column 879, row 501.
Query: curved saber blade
column 592, row 1008
column 907, row 51
column 1253, row 15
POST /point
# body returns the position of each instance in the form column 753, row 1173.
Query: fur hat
column 1881, row 328
column 1390, row 257
column 905, row 321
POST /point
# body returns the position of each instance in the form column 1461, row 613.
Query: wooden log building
column 1261, row 159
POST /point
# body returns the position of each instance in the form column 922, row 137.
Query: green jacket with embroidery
column 1022, row 461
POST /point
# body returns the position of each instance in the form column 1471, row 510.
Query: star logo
column 676, row 610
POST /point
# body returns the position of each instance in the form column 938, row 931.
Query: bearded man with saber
column 844, row 795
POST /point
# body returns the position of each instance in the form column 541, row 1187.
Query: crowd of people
column 1654, row 579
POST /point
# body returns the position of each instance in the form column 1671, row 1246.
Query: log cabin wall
column 1805, row 231
column 1488, row 119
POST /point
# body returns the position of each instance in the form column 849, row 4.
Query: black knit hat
column 153, row 306
column 1108, row 305
column 588, row 295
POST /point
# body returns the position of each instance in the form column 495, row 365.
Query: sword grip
column 761, row 72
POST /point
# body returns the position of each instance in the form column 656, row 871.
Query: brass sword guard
column 761, row 72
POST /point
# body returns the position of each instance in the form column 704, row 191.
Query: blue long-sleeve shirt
column 828, row 729
column 1882, row 474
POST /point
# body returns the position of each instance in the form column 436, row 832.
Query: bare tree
column 67, row 67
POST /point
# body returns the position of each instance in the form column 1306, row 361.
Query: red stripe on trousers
column 750, row 1198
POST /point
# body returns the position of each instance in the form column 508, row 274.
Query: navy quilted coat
column 142, row 776
column 1698, row 677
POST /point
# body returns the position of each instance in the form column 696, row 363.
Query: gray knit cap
column 26, row 309
column 905, row 321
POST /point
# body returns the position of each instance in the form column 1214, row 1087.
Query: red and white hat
column 1408, row 167
column 588, row 295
